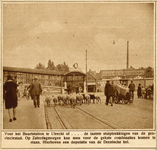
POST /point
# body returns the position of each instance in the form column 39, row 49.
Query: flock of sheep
column 71, row 99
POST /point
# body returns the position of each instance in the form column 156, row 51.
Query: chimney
column 127, row 65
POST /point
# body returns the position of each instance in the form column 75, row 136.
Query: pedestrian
column 152, row 87
column 112, row 93
column 139, row 91
column 132, row 89
column 107, row 92
column 10, row 89
column 29, row 92
column 69, row 88
column 15, row 79
column 36, row 91
column 143, row 92
column 77, row 89
column 21, row 90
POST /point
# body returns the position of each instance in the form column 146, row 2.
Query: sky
column 37, row 32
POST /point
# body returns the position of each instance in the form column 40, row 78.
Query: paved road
column 138, row 115
column 28, row 117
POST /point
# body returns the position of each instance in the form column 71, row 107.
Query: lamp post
column 86, row 74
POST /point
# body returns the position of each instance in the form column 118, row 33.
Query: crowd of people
column 142, row 92
column 13, row 90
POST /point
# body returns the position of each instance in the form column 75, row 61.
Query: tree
column 62, row 67
column 51, row 65
column 65, row 67
column 40, row 66
column 59, row 67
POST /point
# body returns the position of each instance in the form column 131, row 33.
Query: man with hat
column 36, row 90
column 108, row 92
column 132, row 88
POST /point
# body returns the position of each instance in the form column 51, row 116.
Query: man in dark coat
column 108, row 92
column 10, row 89
column 139, row 91
column 36, row 90
column 132, row 88
column 112, row 93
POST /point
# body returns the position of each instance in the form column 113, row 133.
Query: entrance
column 75, row 81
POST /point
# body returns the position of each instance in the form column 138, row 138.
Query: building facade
column 26, row 75
column 128, row 73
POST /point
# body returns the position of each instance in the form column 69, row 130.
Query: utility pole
column 86, row 73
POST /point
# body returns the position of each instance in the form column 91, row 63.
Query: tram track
column 98, row 119
column 60, row 119
column 66, row 119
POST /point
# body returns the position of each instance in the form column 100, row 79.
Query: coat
column 112, row 89
column 108, row 89
column 35, row 88
column 10, row 90
column 131, row 87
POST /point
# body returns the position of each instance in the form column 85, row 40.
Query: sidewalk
column 27, row 116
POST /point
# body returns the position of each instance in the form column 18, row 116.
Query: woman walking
column 139, row 91
column 10, row 89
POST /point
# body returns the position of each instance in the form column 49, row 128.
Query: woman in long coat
column 139, row 91
column 10, row 89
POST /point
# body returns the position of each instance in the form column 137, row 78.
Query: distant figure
column 69, row 88
column 139, row 91
column 15, row 79
column 36, row 92
column 132, row 88
column 29, row 92
column 77, row 89
column 112, row 93
column 21, row 89
column 108, row 92
column 152, row 87
column 10, row 89
column 143, row 92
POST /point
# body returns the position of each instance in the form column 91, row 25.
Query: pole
column 86, row 73
column 127, row 65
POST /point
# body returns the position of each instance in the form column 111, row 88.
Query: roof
column 92, row 75
column 35, row 71
column 70, row 73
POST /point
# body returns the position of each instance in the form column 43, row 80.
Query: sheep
column 79, row 98
column 72, row 99
column 97, row 98
column 55, row 99
column 92, row 97
column 48, row 100
column 87, row 98
column 59, row 97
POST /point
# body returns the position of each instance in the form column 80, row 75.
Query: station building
column 26, row 75
column 75, row 77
